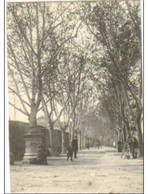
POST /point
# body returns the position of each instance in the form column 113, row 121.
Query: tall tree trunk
column 33, row 114
column 124, row 134
column 51, row 134
column 80, row 140
column 140, row 138
column 63, row 141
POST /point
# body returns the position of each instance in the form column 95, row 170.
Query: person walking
column 87, row 145
column 75, row 146
column 70, row 152
column 134, row 147
column 119, row 146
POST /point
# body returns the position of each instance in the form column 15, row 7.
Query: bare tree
column 34, row 42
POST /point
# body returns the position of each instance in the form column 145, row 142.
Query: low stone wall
column 17, row 131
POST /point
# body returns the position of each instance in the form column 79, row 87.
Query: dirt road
column 95, row 170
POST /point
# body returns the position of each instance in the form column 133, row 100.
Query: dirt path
column 96, row 170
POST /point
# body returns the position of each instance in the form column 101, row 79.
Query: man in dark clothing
column 87, row 146
column 42, row 155
column 134, row 147
column 75, row 146
column 119, row 146
column 99, row 143
column 70, row 152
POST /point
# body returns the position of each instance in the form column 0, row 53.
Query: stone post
column 33, row 140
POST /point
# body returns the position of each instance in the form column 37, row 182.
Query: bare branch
column 21, row 75
column 20, row 110
column 17, row 88
column 13, row 91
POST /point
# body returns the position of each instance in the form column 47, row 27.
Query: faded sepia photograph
column 75, row 96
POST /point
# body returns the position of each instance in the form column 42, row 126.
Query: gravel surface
column 95, row 170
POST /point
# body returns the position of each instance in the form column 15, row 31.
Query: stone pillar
column 63, row 141
column 82, row 140
column 67, row 141
column 79, row 141
column 84, row 143
column 33, row 139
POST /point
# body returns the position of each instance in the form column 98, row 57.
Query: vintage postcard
column 75, row 95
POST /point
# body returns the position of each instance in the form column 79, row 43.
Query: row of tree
column 118, row 72
column 73, row 60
